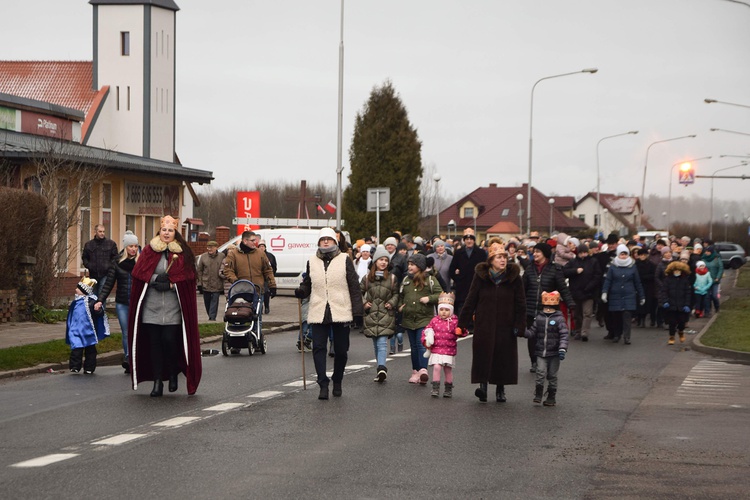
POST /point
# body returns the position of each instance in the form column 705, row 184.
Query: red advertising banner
column 248, row 205
column 51, row 126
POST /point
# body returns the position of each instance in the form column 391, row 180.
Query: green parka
column 415, row 314
column 380, row 321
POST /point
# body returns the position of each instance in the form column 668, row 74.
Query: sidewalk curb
column 697, row 345
column 113, row 358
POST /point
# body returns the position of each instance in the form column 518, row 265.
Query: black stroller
column 242, row 328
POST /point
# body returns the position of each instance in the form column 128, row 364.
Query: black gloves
column 161, row 283
column 299, row 293
column 358, row 322
column 272, row 292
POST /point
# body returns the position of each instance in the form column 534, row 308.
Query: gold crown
column 446, row 298
column 169, row 222
column 87, row 285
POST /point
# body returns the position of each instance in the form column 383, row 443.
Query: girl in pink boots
column 439, row 338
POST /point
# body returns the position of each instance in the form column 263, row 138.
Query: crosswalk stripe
column 45, row 460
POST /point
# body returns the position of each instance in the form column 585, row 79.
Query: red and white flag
column 331, row 207
column 320, row 209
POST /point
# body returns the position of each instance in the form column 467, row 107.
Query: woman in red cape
column 163, row 320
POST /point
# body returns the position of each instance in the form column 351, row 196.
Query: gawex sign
column 248, row 206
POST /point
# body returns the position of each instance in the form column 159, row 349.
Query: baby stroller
column 242, row 328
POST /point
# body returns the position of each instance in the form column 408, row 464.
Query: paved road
column 631, row 422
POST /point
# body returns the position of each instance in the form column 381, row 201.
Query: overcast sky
column 257, row 85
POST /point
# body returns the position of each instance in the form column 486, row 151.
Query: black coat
column 647, row 274
column 676, row 290
column 550, row 279
column 119, row 272
column 97, row 256
column 499, row 314
column 585, row 285
column 462, row 270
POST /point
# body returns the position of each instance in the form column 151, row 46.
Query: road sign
column 276, row 222
column 381, row 195
column 687, row 175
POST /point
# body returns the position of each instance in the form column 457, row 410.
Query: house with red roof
column 486, row 207
column 114, row 115
column 619, row 214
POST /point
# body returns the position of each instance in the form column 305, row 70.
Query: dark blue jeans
column 418, row 361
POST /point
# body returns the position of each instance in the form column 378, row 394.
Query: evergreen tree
column 385, row 152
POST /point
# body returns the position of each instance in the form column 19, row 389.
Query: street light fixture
column 436, row 178
column 711, row 216
column 728, row 131
column 645, row 167
column 551, row 202
column 451, row 227
column 598, row 179
column 519, row 198
column 711, row 101
column 531, row 140
column 671, row 180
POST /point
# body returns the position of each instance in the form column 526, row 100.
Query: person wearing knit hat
column 381, row 295
column 701, row 288
column 442, row 262
column 362, row 263
column 439, row 339
column 623, row 293
column 331, row 283
column 420, row 292
column 84, row 328
column 390, row 241
column 119, row 273
column 465, row 260
column 584, row 278
column 541, row 275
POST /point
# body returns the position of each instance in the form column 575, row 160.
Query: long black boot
column 550, row 401
column 158, row 389
column 323, row 392
column 538, row 393
column 500, row 394
column 481, row 392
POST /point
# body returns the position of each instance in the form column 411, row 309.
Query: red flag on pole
column 331, row 207
column 320, row 209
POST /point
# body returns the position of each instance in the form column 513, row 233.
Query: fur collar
column 674, row 266
column 512, row 272
column 159, row 246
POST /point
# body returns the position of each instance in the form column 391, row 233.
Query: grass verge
column 730, row 329
column 57, row 351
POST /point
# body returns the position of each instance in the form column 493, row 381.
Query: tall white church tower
column 134, row 55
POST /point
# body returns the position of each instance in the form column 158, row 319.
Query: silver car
column 732, row 254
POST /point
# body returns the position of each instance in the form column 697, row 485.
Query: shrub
column 22, row 226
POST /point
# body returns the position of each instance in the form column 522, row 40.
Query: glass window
column 107, row 209
column 130, row 223
column 582, row 217
column 62, row 225
column 125, row 43
column 469, row 212
column 148, row 229
column 505, row 213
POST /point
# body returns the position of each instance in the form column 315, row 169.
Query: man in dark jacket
column 584, row 276
column 542, row 275
column 462, row 267
column 647, row 274
column 210, row 283
column 97, row 256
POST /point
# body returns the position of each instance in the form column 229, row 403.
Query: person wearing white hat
column 362, row 263
column 335, row 303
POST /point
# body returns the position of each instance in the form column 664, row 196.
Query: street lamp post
column 451, row 227
column 436, row 178
column 531, row 130
column 711, row 211
column 519, row 198
column 339, row 167
column 726, row 217
column 645, row 167
column 669, row 198
column 728, row 131
column 710, row 101
column 551, row 202
column 598, row 185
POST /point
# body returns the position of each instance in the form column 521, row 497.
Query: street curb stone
column 113, row 358
column 717, row 351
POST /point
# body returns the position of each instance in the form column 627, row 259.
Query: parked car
column 732, row 254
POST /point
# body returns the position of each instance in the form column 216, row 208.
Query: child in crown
column 85, row 327
column 439, row 337
column 549, row 331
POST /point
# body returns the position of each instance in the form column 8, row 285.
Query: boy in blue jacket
column 84, row 328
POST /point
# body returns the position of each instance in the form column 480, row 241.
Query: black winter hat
column 419, row 260
column 545, row 249
column 612, row 239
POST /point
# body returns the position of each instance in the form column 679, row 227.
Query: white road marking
column 356, row 367
column 296, row 383
column 119, row 439
column 401, row 354
column 175, row 422
column 715, row 383
column 265, row 394
column 224, row 407
column 45, row 460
